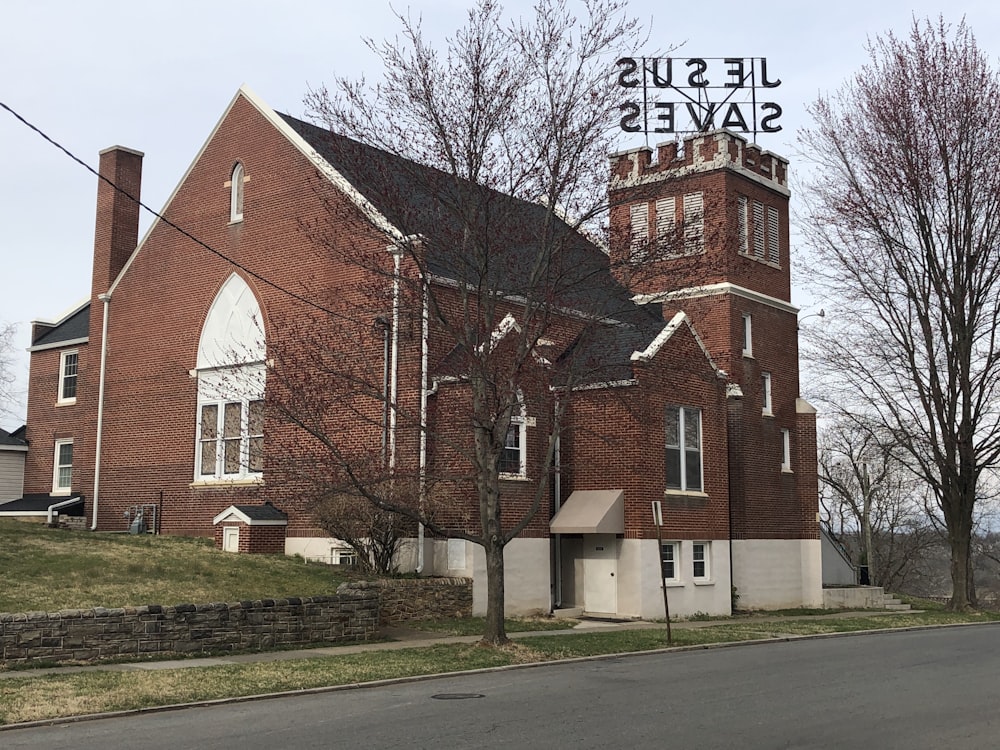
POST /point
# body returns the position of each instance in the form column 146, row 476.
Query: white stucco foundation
column 527, row 578
column 639, row 587
column 778, row 573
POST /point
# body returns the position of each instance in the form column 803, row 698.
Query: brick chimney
column 117, row 230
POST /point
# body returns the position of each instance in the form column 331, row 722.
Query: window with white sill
column 765, row 394
column 701, row 569
column 683, row 449
column 669, row 568
column 62, row 467
column 236, row 193
column 69, row 363
column 513, row 457
column 231, row 376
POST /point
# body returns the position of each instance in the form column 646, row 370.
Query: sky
column 156, row 77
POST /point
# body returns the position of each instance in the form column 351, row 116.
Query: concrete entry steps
column 894, row 604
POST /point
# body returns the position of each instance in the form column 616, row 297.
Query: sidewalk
column 401, row 638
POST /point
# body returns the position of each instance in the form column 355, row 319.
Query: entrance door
column 231, row 539
column 600, row 566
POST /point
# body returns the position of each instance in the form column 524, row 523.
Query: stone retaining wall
column 406, row 599
column 354, row 613
column 99, row 633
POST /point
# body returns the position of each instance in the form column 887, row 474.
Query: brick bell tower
column 703, row 228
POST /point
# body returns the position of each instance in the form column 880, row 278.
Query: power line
column 184, row 232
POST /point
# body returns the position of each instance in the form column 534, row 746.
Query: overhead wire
column 274, row 285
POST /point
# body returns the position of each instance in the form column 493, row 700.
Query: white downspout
column 106, row 299
column 397, row 256
column 424, row 346
column 557, row 491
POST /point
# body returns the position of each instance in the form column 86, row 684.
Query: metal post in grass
column 658, row 522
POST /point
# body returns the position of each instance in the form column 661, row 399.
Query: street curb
column 484, row 670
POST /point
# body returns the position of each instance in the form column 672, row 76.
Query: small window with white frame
column 344, row 556
column 747, row 335
column 513, row 457
column 62, row 469
column 765, row 394
column 786, row 450
column 669, row 569
column 700, row 563
column 69, row 364
column 236, row 194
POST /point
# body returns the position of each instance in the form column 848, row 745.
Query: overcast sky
column 157, row 76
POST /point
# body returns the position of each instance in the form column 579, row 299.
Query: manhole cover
column 456, row 696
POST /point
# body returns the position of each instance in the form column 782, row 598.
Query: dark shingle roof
column 76, row 326
column 41, row 502
column 421, row 200
column 265, row 512
column 9, row 439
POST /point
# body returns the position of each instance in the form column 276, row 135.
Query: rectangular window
column 747, row 335
column 699, row 561
column 773, row 253
column 683, row 449
column 231, row 439
column 694, row 223
column 639, row 226
column 62, row 472
column 512, row 456
column 68, row 371
column 786, row 450
column 765, row 393
column 668, row 561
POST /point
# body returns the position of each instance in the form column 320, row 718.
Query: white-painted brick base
column 778, row 573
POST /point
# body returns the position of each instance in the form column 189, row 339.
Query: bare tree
column 904, row 222
column 7, row 376
column 873, row 503
column 478, row 152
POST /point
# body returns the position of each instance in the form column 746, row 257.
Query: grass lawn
column 51, row 569
column 31, row 698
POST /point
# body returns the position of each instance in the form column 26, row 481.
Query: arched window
column 231, row 373
column 236, row 194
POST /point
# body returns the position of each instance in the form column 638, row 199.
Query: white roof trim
column 232, row 513
column 335, row 177
column 338, row 180
column 66, row 315
column 664, row 336
column 709, row 290
column 59, row 344
column 15, row 448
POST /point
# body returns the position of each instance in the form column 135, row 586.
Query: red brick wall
column 615, row 439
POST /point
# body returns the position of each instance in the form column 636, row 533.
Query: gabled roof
column 73, row 327
column 11, row 442
column 680, row 319
column 253, row 515
column 422, row 201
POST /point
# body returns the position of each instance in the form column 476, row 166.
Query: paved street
column 922, row 689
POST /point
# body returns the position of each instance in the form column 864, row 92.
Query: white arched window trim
column 231, row 372
column 236, row 194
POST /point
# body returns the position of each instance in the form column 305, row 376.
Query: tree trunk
column 963, row 587
column 494, row 632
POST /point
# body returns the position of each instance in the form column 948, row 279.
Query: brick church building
column 151, row 402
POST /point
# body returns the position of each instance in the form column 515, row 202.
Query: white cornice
column 59, row 344
column 710, row 290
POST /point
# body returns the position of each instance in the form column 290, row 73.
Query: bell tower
column 704, row 228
